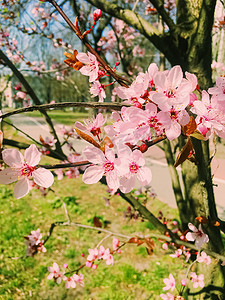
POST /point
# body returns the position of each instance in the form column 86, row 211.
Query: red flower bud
column 143, row 148
column 97, row 14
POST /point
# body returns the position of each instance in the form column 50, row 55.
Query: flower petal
column 93, row 174
column 21, row 188
column 32, row 155
column 12, row 157
column 8, row 176
column 43, row 177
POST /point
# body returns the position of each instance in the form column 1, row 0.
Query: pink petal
column 189, row 237
column 32, row 155
column 112, row 180
column 138, row 157
column 93, row 174
column 174, row 131
column 94, row 155
column 8, row 176
column 43, row 177
column 21, row 188
column 192, row 227
column 175, row 76
column 127, row 184
column 144, row 175
column 12, row 157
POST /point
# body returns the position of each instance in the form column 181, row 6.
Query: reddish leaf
column 106, row 142
column 135, row 240
column 184, row 153
column 190, row 127
column 87, row 138
column 72, row 61
column 202, row 220
column 150, row 245
column 97, row 222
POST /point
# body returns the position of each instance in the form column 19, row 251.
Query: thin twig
column 107, row 68
column 115, row 106
column 63, row 166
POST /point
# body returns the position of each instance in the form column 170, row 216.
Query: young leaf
column 184, row 153
column 87, row 138
column 190, row 127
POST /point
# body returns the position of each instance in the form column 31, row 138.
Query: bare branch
column 114, row 106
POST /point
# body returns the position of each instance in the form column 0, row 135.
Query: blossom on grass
column 34, row 243
column 22, row 169
column 198, row 280
column 169, row 282
column 203, row 257
column 72, row 281
column 197, row 235
column 55, row 273
column 167, row 296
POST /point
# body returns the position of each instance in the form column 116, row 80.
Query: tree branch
column 114, row 106
column 34, row 97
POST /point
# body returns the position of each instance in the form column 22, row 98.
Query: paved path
column 161, row 181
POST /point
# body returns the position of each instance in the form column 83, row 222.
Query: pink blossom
column 197, row 235
column 22, row 169
column 55, row 273
column 105, row 164
column 210, row 118
column 177, row 253
column 34, row 243
column 90, row 67
column 203, row 257
column 167, row 296
column 183, row 282
column 173, row 91
column 93, row 126
column 218, row 91
column 97, row 89
column 116, row 244
column 198, row 280
column 165, row 246
column 131, row 166
column 169, row 282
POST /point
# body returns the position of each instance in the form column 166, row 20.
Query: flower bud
column 97, row 14
column 143, row 148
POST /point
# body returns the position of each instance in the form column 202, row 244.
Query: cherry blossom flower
column 177, row 253
column 203, row 257
column 131, row 166
column 209, row 118
column 173, row 91
column 97, row 89
column 167, row 296
column 197, row 235
column 218, row 91
column 198, row 280
column 24, row 168
column 73, row 280
column 90, row 67
column 104, row 165
column 93, row 126
column 170, row 283
column 55, row 273
column 34, row 243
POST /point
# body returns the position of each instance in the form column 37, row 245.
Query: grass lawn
column 135, row 274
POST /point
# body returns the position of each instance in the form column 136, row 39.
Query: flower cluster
column 34, row 243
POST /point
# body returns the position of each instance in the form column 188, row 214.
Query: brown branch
column 63, row 166
column 107, row 68
column 115, row 106
column 159, row 5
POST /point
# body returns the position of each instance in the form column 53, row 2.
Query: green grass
column 135, row 275
column 62, row 117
